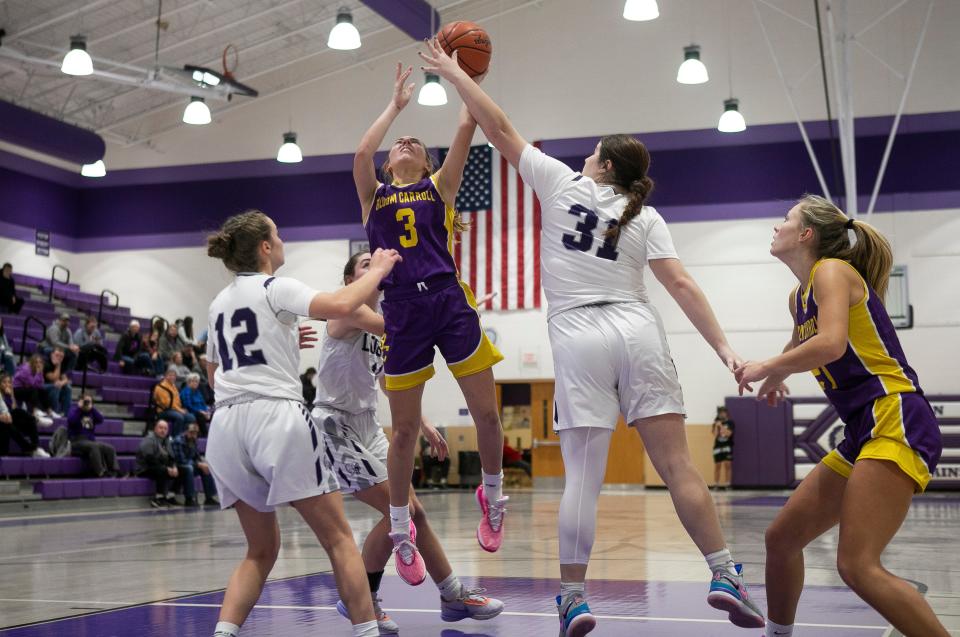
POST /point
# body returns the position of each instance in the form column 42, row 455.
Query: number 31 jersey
column 253, row 337
column 578, row 265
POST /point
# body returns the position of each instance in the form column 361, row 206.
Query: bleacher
column 122, row 399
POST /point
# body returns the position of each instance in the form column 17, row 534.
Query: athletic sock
column 777, row 630
column 450, row 588
column 374, row 580
column 721, row 559
column 492, row 486
column 400, row 519
column 570, row 588
column 366, row 629
column 226, row 629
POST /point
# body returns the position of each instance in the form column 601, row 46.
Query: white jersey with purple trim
column 347, row 372
column 579, row 267
column 253, row 336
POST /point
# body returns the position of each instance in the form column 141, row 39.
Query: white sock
column 450, row 587
column 400, row 519
column 569, row 588
column 721, row 559
column 492, row 486
column 777, row 630
column 366, row 629
column 226, row 629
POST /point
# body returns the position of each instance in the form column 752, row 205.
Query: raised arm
column 364, row 318
column 364, row 171
column 691, row 299
column 451, row 173
column 498, row 129
column 343, row 302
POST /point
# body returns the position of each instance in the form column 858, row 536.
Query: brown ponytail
column 631, row 161
column 237, row 243
column 871, row 254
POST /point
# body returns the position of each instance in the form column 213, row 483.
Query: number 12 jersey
column 253, row 337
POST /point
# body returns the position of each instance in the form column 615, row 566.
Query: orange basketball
column 471, row 43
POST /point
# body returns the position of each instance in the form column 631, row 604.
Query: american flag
column 501, row 250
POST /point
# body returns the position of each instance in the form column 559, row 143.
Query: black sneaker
column 158, row 503
column 212, row 501
column 191, row 502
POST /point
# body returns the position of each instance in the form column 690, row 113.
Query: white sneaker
column 40, row 452
column 38, row 414
column 44, row 421
column 55, row 414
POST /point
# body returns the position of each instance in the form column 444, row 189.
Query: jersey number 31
column 241, row 340
column 586, row 226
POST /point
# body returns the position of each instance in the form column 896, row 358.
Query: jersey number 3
column 586, row 226
column 243, row 342
column 407, row 218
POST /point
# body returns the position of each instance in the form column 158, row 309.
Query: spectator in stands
column 309, row 389
column 58, row 335
column 204, row 380
column 513, row 458
column 191, row 463
column 9, row 301
column 29, row 391
column 155, row 461
column 185, row 330
column 166, row 396
column 176, row 361
column 170, row 343
column 57, row 383
column 130, row 352
column 7, row 361
column 151, row 345
column 89, row 333
column 17, row 424
column 82, row 421
column 722, row 430
column 193, row 401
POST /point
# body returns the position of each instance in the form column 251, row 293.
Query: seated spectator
column 130, row 353
column 58, row 335
column 16, row 424
column 57, row 384
column 82, row 421
column 309, row 389
column 191, row 463
column 151, row 345
column 155, row 461
column 185, row 331
column 176, row 362
column 193, row 401
column 204, row 380
column 9, row 301
column 513, row 458
column 28, row 387
column 7, row 361
column 89, row 333
column 167, row 398
column 170, row 343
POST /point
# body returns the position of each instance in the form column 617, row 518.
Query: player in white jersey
column 609, row 347
column 350, row 367
column 264, row 449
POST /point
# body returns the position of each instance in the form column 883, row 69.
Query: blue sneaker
column 386, row 625
column 729, row 593
column 576, row 619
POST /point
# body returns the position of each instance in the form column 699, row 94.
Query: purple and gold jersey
column 873, row 364
column 413, row 220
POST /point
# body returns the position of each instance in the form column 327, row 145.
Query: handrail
column 116, row 304
column 53, row 279
column 26, row 329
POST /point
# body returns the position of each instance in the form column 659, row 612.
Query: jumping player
column 264, row 449
column 351, row 364
column 425, row 305
column 891, row 442
column 609, row 347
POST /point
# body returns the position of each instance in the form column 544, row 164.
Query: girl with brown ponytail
column 891, row 442
column 609, row 347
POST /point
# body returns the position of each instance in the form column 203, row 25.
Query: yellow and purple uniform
column 874, row 390
column 425, row 304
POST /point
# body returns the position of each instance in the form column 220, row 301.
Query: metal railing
column 26, row 329
column 53, row 279
column 116, row 304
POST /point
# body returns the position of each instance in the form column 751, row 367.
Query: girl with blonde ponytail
column 891, row 442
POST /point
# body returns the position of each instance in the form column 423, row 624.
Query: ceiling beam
column 416, row 18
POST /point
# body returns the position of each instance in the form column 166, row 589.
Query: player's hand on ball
column 437, row 61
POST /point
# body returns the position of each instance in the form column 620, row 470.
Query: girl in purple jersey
column 891, row 437
column 425, row 305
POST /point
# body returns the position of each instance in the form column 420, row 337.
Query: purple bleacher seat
column 11, row 466
column 127, row 464
column 49, row 489
column 122, row 444
column 125, row 396
column 110, row 427
column 136, row 486
column 92, row 488
column 109, row 487
column 72, row 489
column 33, row 467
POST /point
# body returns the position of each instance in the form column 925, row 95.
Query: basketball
column 471, row 43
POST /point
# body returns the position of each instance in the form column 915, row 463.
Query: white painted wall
column 730, row 260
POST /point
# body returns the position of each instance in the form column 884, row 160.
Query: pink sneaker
column 490, row 531
column 410, row 566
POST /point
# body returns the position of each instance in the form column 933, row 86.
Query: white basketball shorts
column 611, row 359
column 356, row 447
column 267, row 452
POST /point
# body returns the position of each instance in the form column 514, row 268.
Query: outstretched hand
column 308, row 336
column 773, row 391
column 750, row 372
column 402, row 92
column 437, row 61
column 438, row 445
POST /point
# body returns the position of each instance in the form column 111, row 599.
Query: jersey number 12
column 585, row 227
column 241, row 340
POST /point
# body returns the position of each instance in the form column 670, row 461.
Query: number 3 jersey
column 413, row 220
column 254, row 339
column 578, row 265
